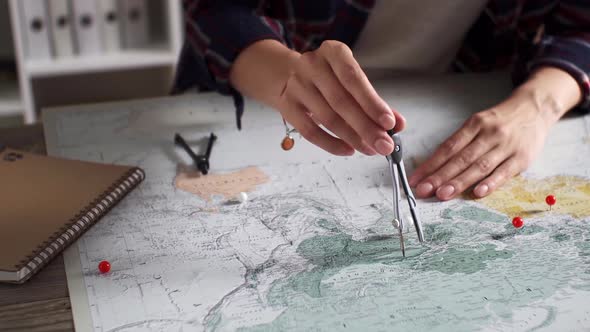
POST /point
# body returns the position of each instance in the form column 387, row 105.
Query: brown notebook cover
column 46, row 203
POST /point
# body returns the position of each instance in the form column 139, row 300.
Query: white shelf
column 99, row 63
column 10, row 101
column 35, row 76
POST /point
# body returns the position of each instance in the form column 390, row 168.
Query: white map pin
column 243, row 197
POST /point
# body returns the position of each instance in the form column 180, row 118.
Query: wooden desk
column 42, row 303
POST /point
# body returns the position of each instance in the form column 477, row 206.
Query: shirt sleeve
column 216, row 32
column 565, row 44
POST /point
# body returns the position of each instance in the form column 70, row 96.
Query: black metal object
column 201, row 161
column 396, row 155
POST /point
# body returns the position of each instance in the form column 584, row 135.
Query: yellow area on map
column 228, row 185
column 525, row 197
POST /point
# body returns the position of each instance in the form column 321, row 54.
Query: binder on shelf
column 35, row 27
column 61, row 28
column 88, row 40
column 135, row 23
column 110, row 24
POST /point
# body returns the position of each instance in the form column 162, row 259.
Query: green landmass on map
column 477, row 266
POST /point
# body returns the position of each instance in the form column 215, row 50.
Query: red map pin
column 550, row 200
column 517, row 222
column 104, row 267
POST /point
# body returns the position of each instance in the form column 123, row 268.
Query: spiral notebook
column 46, row 203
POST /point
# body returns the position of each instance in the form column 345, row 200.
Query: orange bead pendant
column 287, row 143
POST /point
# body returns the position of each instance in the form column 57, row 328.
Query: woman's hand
column 490, row 148
column 323, row 87
column 494, row 145
column 328, row 87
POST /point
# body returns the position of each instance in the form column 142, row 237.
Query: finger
column 345, row 105
column 354, row 80
column 507, row 170
column 478, row 170
column 400, row 122
column 446, row 151
column 296, row 116
column 315, row 103
column 460, row 162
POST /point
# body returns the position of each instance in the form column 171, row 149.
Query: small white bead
column 243, row 197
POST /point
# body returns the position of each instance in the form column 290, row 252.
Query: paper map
column 313, row 248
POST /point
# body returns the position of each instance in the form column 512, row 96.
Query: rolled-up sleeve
column 565, row 45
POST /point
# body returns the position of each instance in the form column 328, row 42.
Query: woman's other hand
column 495, row 145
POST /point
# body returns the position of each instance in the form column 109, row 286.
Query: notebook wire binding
column 68, row 234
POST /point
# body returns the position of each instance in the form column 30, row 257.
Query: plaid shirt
column 517, row 34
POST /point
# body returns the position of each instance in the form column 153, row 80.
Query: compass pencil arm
column 398, row 174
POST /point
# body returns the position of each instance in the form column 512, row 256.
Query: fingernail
column 383, row 146
column 481, row 190
column 445, row 191
column 367, row 149
column 345, row 151
column 387, row 121
column 424, row 189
